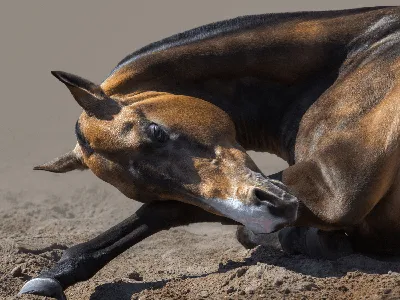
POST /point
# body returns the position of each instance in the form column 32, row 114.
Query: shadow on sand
column 271, row 255
column 123, row 290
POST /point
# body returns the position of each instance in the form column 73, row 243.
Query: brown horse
column 171, row 124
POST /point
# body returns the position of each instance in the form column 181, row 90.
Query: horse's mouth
column 262, row 217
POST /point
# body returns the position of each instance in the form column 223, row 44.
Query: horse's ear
column 68, row 162
column 89, row 95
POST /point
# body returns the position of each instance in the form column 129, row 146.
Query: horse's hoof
column 245, row 237
column 315, row 243
column 47, row 287
column 327, row 245
column 292, row 239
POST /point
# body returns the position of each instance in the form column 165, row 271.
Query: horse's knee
column 335, row 213
column 330, row 198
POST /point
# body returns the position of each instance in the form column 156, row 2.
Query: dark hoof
column 315, row 243
column 292, row 239
column 329, row 245
column 245, row 237
column 250, row 240
column 47, row 287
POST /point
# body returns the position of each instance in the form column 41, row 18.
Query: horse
column 171, row 124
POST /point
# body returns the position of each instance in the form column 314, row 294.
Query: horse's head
column 161, row 146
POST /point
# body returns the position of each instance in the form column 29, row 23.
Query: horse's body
column 318, row 89
column 335, row 78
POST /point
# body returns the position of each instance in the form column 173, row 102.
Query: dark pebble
column 135, row 276
column 16, row 272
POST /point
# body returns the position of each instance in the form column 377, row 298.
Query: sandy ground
column 202, row 261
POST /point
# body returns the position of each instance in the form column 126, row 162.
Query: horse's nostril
column 264, row 196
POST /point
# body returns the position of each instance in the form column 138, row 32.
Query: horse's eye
column 158, row 133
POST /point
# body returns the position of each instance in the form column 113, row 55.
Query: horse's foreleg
column 83, row 261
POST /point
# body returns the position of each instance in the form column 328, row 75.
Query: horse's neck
column 256, row 66
column 266, row 114
column 285, row 48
